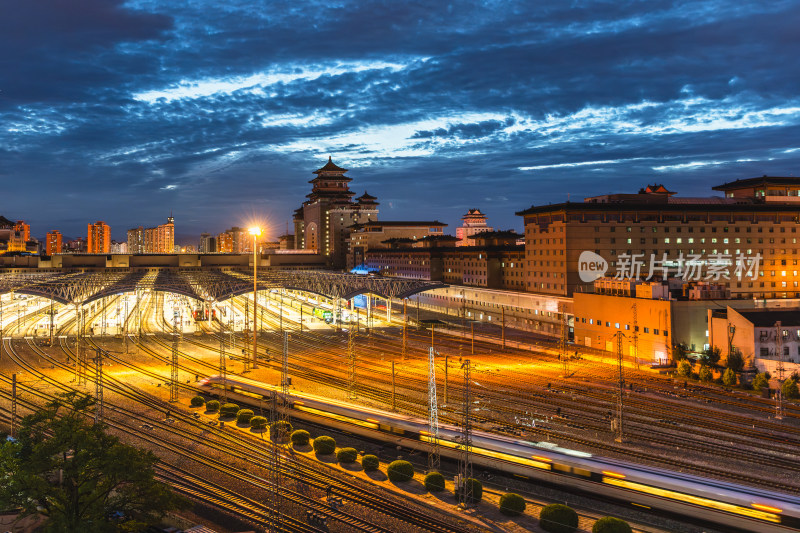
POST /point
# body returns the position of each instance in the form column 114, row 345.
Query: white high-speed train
column 718, row 502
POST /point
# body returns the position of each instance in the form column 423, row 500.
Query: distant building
column 119, row 247
column 233, row 241
column 156, row 240
column 474, row 222
column 375, row 235
column 208, row 244
column 322, row 224
column 136, row 240
column 75, row 246
column 53, row 245
column 98, row 238
column 15, row 237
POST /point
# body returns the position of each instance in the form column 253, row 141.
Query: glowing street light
column 255, row 232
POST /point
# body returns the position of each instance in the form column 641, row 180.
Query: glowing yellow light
column 255, row 231
column 540, row 458
column 767, row 508
column 613, row 474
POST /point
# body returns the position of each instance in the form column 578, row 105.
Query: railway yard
column 528, row 394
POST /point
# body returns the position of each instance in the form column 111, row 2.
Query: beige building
column 322, row 224
column 473, row 222
column 755, row 334
column 382, row 235
column 754, row 226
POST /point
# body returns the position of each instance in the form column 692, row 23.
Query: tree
column 680, row 352
column 347, row 455
column 761, row 381
column 434, row 481
column 685, row 369
column 705, row 374
column 324, row 445
column 558, row 518
column 300, row 437
column 399, row 471
column 370, row 463
column 735, row 361
column 710, row 356
column 789, row 389
column 198, row 401
column 729, row 378
column 243, row 416
column 81, row 478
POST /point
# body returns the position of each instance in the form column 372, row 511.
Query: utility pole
column 52, row 325
column 81, row 355
column 779, row 369
column 98, row 386
column 472, row 331
column 562, row 344
column 446, row 359
column 463, row 488
column 405, row 329
column 13, row 404
column 285, row 366
column 636, row 333
column 503, row 326
column 434, row 459
column 173, row 382
column 223, row 366
column 619, row 436
column 244, row 341
column 351, row 358
column 394, row 404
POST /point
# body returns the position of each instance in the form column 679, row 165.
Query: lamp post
column 255, row 232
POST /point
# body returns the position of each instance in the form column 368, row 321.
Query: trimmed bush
column 324, row 445
column 609, row 524
column 279, row 431
column 789, row 389
column 705, row 374
column 243, row 416
column 300, row 437
column 347, row 455
column 399, row 471
column 434, row 482
column 558, row 518
column 370, row 463
column 761, row 381
column 729, row 378
column 685, row 369
column 512, row 504
column 475, row 489
column 229, row 409
column 258, row 422
column 197, row 401
column 212, row 405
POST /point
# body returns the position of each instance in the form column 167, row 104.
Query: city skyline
column 124, row 112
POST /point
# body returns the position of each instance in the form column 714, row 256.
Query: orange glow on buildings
column 98, row 238
column 53, row 245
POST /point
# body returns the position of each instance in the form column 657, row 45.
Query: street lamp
column 255, row 232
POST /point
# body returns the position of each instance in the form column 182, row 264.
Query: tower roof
column 330, row 166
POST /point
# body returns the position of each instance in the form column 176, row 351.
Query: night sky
column 220, row 111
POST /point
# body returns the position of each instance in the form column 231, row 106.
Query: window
column 647, row 330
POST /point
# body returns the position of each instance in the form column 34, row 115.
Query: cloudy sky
column 220, row 110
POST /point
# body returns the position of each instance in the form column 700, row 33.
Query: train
column 202, row 315
column 323, row 314
column 718, row 502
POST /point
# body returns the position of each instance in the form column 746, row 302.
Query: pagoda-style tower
column 322, row 224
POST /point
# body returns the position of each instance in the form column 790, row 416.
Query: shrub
column 370, row 463
column 609, row 524
column 434, row 482
column 558, row 518
column 705, row 374
column 789, row 389
column 243, row 416
column 761, row 381
column 512, row 504
column 324, row 445
column 729, row 378
column 685, row 369
column 258, row 422
column 197, row 401
column 300, row 437
column 475, row 489
column 229, row 409
column 735, row 361
column 212, row 405
column 679, row 352
column 279, row 431
column 399, row 471
column 710, row 356
column 347, row 455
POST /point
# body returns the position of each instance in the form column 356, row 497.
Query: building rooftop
column 399, row 224
column 755, row 182
column 330, row 166
column 766, row 318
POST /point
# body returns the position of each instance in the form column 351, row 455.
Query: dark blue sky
column 219, row 111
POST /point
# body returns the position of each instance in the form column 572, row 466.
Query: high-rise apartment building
column 746, row 240
column 322, row 224
column 98, row 238
column 474, row 222
column 208, row 244
column 53, row 245
column 157, row 240
column 233, row 241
